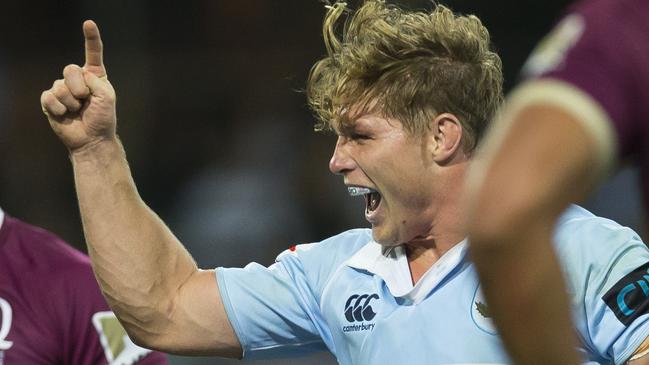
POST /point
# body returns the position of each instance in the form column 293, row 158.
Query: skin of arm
column 642, row 354
column 543, row 161
column 150, row 281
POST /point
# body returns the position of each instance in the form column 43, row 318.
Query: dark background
column 217, row 132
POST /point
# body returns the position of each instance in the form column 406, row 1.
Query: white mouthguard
column 356, row 191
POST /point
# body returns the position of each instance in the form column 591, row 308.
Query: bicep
column 270, row 314
column 198, row 322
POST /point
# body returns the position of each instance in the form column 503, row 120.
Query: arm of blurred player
column 151, row 282
column 641, row 355
column 534, row 164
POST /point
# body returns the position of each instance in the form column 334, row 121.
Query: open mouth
column 372, row 197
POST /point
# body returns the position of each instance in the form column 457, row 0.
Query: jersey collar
column 392, row 267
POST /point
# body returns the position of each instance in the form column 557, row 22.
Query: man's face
column 379, row 154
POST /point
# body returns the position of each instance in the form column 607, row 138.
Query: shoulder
column 39, row 247
column 334, row 249
column 578, row 226
column 319, row 261
column 46, row 262
column 592, row 246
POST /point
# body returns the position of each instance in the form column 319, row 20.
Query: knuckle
column 59, row 91
column 75, row 83
column 48, row 97
column 45, row 104
column 53, row 109
column 69, row 69
column 80, row 91
column 51, row 104
column 72, row 104
column 76, row 104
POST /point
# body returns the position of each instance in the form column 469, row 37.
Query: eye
column 359, row 136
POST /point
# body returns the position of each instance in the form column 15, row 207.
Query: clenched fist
column 81, row 106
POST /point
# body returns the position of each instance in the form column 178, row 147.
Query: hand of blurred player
column 81, row 106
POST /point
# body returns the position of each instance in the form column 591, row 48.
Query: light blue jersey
column 347, row 295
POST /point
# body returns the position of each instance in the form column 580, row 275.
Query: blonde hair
column 410, row 66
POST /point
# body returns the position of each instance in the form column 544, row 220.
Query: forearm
column 524, row 183
column 138, row 262
column 527, row 297
column 524, row 287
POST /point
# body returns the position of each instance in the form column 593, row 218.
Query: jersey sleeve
column 276, row 311
column 606, row 267
column 601, row 50
column 273, row 310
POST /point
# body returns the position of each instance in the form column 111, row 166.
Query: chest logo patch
column 358, row 311
column 480, row 313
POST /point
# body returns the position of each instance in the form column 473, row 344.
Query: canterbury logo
column 358, row 308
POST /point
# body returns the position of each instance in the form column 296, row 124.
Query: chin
column 385, row 239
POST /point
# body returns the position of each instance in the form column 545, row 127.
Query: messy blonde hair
column 410, row 66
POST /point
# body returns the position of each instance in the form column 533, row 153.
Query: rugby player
column 582, row 110
column 408, row 95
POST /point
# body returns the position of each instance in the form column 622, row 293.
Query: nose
column 340, row 162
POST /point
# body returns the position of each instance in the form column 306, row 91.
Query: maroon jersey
column 51, row 309
column 601, row 47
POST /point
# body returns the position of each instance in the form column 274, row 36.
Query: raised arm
column 537, row 161
column 151, row 282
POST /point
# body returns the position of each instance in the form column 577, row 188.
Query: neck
column 422, row 257
column 448, row 226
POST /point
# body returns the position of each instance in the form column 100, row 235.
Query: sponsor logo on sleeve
column 629, row 297
column 359, row 312
column 118, row 347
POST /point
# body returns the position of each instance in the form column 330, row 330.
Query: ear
column 446, row 137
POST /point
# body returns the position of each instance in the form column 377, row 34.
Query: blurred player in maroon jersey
column 584, row 107
column 51, row 309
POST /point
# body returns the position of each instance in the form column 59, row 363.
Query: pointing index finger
column 94, row 49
